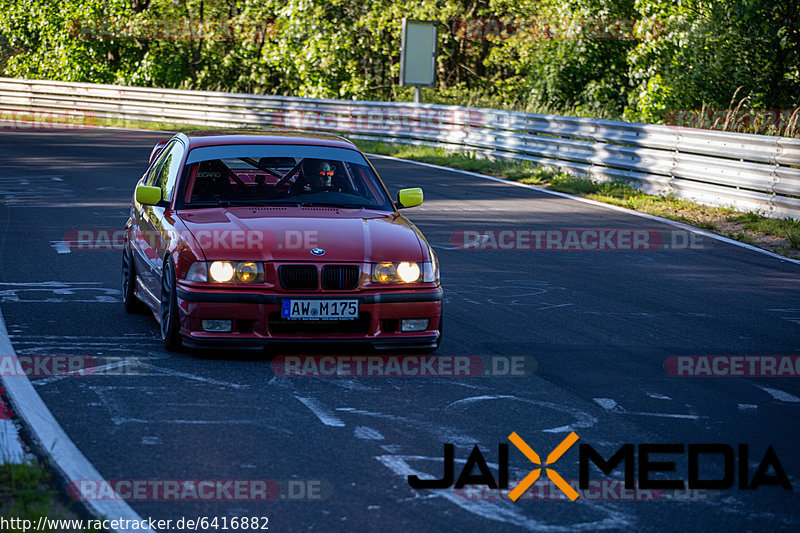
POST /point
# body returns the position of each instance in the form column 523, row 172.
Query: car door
column 155, row 221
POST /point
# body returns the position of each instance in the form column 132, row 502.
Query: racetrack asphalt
column 597, row 325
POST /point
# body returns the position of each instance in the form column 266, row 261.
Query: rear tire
column 170, row 317
column 132, row 304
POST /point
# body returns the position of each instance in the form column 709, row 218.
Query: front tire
column 170, row 319
column 132, row 304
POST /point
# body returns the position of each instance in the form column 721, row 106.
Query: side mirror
column 148, row 195
column 156, row 150
column 409, row 197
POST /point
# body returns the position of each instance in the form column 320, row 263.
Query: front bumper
column 256, row 320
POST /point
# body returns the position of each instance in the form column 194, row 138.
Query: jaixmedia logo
column 648, row 458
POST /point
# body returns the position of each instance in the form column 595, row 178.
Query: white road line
column 325, row 415
column 176, row 373
column 664, row 415
column 371, row 413
column 584, row 420
column 658, row 396
column 611, row 405
column 780, row 395
column 54, row 290
column 366, row 433
column 605, row 403
column 96, row 370
column 52, row 442
column 747, row 406
column 60, row 246
column 504, row 511
column 673, row 223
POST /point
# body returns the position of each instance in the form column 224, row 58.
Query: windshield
column 281, row 175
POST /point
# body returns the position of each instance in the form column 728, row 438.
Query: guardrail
column 749, row 172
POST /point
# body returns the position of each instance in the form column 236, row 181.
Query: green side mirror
column 148, row 195
column 409, row 197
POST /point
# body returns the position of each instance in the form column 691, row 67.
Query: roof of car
column 222, row 137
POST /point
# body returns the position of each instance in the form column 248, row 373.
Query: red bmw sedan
column 243, row 239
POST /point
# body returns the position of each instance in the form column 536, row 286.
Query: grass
column 513, row 170
column 27, row 493
column 781, row 236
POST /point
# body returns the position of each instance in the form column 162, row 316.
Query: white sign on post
column 418, row 54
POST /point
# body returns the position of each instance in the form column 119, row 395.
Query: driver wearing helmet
column 318, row 175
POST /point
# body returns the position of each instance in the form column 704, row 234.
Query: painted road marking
column 504, row 512
column 325, row 415
column 60, row 247
column 584, row 420
column 780, row 395
column 611, row 405
column 56, row 292
column 605, row 403
column 366, row 433
column 54, row 442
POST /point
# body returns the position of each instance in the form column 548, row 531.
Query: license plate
column 319, row 309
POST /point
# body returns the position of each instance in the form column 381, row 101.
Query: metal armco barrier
column 749, row 172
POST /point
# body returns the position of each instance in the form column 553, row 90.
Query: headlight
column 221, row 271
column 226, row 272
column 247, row 271
column 384, row 272
column 408, row 272
column 405, row 272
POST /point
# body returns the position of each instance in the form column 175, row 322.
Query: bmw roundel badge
column 318, row 251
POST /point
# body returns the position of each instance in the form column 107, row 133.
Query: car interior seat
column 212, row 181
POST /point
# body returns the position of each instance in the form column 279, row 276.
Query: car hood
column 290, row 233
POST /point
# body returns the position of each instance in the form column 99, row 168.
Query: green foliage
column 719, row 53
column 27, row 493
column 786, row 227
column 649, row 58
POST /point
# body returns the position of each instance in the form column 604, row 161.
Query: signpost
column 418, row 55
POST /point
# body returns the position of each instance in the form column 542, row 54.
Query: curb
column 51, row 442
